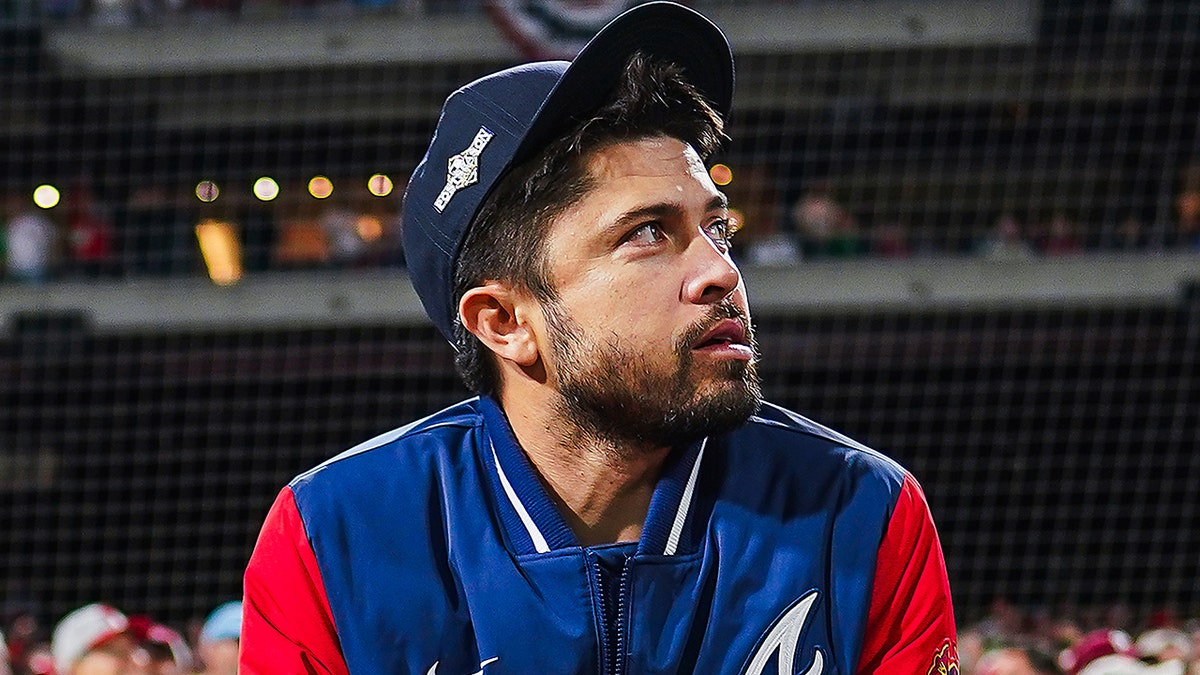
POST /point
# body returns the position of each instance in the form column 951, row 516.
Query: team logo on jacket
column 945, row 661
column 781, row 643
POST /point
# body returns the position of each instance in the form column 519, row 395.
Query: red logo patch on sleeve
column 945, row 661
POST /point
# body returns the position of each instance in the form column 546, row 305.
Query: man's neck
column 602, row 488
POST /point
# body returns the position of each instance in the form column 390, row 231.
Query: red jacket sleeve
column 910, row 627
column 287, row 626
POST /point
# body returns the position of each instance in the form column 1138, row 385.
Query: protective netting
column 1056, row 446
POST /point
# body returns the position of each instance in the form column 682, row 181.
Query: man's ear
column 495, row 313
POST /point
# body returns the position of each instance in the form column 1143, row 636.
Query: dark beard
column 611, row 395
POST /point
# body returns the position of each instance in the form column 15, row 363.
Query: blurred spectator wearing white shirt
column 30, row 245
column 347, row 247
column 817, row 218
column 1006, row 241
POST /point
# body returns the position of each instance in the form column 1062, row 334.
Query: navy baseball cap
column 498, row 121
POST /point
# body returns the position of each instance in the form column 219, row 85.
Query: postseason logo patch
column 463, row 169
column 945, row 661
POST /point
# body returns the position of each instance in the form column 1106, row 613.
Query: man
column 608, row 504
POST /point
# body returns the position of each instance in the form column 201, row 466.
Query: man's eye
column 720, row 232
column 646, row 234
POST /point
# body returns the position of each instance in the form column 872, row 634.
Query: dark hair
column 506, row 241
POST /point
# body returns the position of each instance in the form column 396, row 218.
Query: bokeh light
column 380, row 185
column 46, row 196
column 221, row 250
column 266, row 188
column 737, row 220
column 369, row 227
column 207, row 191
column 721, row 174
column 320, row 187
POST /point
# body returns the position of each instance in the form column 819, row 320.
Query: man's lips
column 727, row 332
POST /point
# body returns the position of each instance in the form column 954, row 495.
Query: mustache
column 719, row 312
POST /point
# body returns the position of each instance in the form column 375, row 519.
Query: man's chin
column 724, row 405
column 734, row 379
column 727, row 369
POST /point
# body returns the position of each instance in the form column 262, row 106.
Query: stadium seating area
column 1046, row 142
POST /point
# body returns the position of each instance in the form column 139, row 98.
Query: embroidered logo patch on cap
column 463, row 169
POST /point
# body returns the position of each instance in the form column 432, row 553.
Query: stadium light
column 721, row 174
column 46, row 196
column 266, row 189
column 320, row 187
column 207, row 191
column 380, row 185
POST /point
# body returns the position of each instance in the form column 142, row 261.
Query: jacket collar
column 533, row 522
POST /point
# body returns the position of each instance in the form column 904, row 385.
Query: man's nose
column 713, row 276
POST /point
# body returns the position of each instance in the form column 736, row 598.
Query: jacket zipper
column 618, row 658
column 614, row 616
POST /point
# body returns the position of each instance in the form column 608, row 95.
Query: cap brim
column 662, row 30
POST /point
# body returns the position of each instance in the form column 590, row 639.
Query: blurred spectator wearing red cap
column 1111, row 652
column 166, row 652
column 95, row 640
column 89, row 234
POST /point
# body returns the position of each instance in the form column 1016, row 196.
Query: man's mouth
column 726, row 338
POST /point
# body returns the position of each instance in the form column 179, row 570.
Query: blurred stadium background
column 971, row 233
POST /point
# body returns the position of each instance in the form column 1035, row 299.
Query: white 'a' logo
column 783, row 639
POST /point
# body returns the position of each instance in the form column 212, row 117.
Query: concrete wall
column 318, row 299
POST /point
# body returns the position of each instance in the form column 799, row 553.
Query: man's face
column 649, row 337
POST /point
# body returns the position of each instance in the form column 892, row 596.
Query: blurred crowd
column 155, row 233
column 1105, row 641
column 819, row 226
column 98, row 639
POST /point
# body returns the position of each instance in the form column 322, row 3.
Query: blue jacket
column 435, row 549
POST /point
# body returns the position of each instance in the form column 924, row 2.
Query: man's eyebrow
column 658, row 211
column 663, row 210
